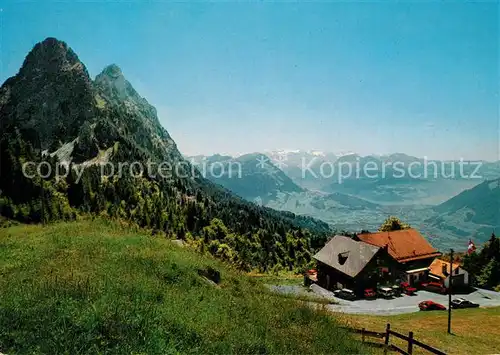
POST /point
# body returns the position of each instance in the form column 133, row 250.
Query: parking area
column 409, row 304
column 396, row 305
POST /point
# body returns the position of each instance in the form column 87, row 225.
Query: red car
column 410, row 291
column 431, row 306
column 434, row 287
column 370, row 293
column 405, row 286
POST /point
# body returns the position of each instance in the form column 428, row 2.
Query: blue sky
column 419, row 78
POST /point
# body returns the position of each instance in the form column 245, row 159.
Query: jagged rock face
column 115, row 87
column 52, row 101
column 134, row 113
column 50, row 98
column 51, row 57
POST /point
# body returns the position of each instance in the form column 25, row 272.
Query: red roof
column 436, row 268
column 403, row 245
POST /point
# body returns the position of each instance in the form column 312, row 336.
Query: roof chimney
column 342, row 257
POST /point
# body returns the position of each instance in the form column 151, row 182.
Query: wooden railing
column 387, row 346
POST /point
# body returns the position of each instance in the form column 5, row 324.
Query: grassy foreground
column 96, row 287
column 475, row 331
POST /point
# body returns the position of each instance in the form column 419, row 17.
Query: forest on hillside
column 94, row 126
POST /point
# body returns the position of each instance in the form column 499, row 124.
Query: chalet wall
column 457, row 278
column 333, row 279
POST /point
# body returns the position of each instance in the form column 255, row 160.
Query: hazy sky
column 419, row 78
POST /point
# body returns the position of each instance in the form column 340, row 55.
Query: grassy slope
column 95, row 287
column 475, row 331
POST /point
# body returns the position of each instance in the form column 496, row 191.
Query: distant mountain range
column 383, row 179
column 445, row 204
column 474, row 213
column 251, row 176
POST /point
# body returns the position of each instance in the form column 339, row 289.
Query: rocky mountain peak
column 51, row 56
column 112, row 71
column 51, row 96
column 117, row 93
column 114, row 86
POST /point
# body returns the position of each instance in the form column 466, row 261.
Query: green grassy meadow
column 96, row 287
column 474, row 331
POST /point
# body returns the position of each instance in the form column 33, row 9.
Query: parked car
column 396, row 290
column 463, row 303
column 431, row 306
column 410, row 291
column 405, row 286
column 385, row 292
column 345, row 293
column 434, row 287
column 370, row 293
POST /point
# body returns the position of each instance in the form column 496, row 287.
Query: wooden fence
column 387, row 346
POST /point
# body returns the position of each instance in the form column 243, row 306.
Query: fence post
column 363, row 335
column 410, row 343
column 386, row 342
